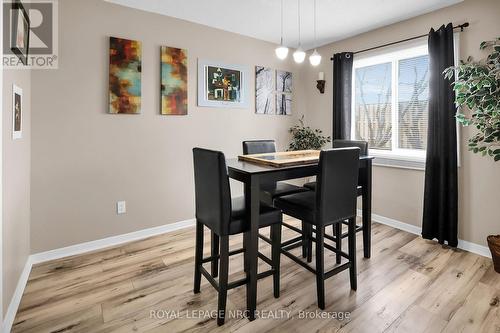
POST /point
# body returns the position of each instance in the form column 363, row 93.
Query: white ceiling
column 336, row 19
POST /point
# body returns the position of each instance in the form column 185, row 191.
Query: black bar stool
column 337, row 228
column 271, row 191
column 333, row 202
column 224, row 217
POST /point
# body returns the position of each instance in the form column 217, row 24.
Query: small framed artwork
column 264, row 90
column 173, row 81
column 20, row 32
column 222, row 85
column 17, row 112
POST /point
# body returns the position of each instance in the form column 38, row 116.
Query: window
column 390, row 103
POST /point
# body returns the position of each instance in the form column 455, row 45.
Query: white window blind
column 390, row 101
column 413, row 102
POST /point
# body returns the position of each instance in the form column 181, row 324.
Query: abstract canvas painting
column 283, row 82
column 124, row 76
column 264, row 90
column 173, row 81
column 221, row 85
column 284, row 104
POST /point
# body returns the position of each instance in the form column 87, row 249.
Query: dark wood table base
column 252, row 175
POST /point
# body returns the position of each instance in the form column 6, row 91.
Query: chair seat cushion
column 299, row 205
column 269, row 192
column 268, row 215
column 312, row 186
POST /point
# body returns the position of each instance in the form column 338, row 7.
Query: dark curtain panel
column 440, row 218
column 342, row 85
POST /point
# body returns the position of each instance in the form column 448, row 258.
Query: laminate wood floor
column 409, row 285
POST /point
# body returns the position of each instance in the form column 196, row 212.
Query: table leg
column 367, row 209
column 252, row 204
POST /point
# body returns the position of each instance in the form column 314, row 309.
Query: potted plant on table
column 477, row 95
column 306, row 138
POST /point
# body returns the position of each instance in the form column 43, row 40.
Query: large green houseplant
column 305, row 138
column 477, row 95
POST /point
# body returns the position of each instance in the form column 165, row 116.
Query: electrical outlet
column 121, row 207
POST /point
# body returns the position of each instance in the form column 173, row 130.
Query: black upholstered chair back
column 259, row 147
column 212, row 191
column 337, row 182
column 362, row 145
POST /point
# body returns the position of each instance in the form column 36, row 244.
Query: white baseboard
column 397, row 224
column 464, row 245
column 109, row 241
column 79, row 249
column 10, row 315
column 474, row 248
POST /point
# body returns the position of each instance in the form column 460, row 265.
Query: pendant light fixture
column 299, row 55
column 281, row 51
column 315, row 57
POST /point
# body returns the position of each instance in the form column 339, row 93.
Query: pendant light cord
column 315, row 41
column 281, row 38
column 298, row 15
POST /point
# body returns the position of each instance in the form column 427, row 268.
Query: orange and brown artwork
column 173, row 81
column 124, row 76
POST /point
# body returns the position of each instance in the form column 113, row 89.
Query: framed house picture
column 222, row 85
column 17, row 112
column 20, row 31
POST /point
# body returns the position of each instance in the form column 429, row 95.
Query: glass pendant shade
column 315, row 58
column 299, row 55
column 281, row 52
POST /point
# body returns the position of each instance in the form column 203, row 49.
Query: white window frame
column 397, row 157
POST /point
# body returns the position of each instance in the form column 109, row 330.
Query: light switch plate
column 121, row 207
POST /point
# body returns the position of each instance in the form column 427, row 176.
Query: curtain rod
column 461, row 27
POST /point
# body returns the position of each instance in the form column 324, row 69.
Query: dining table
column 266, row 168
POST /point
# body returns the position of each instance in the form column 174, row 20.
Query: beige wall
column 16, row 184
column 84, row 160
column 398, row 193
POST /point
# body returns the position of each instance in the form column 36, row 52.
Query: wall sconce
column 320, row 83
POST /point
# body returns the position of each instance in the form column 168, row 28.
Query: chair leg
column 309, row 242
column 198, row 256
column 304, row 242
column 223, row 279
column 276, row 252
column 214, row 253
column 320, row 268
column 245, row 253
column 337, row 227
column 352, row 253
